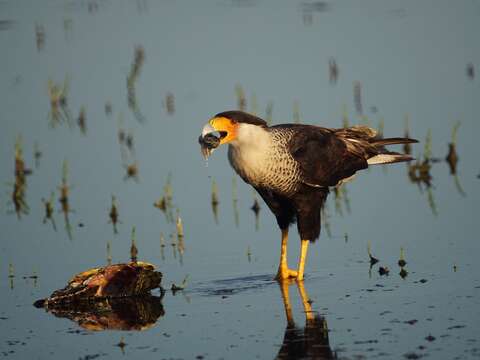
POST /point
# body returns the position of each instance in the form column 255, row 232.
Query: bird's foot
column 286, row 273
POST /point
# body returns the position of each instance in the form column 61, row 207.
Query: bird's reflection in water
column 310, row 341
column 128, row 314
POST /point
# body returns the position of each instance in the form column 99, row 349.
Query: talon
column 284, row 274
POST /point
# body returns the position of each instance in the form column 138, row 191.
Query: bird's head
column 225, row 128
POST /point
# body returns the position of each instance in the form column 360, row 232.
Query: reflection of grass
column 407, row 148
column 114, row 214
column 241, row 100
column 18, row 196
column 64, row 199
column 165, row 202
column 269, row 113
column 236, row 214
column 296, row 112
column 82, row 120
column 345, row 120
column 133, row 247
column 256, row 210
column 48, row 204
column 139, row 59
column 325, row 217
column 59, row 111
column 254, row 110
column 215, row 201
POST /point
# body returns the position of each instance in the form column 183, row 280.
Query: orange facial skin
column 223, row 124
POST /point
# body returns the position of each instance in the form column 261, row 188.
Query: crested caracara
column 292, row 167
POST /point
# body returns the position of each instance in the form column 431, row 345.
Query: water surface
column 155, row 72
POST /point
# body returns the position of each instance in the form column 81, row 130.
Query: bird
column 293, row 166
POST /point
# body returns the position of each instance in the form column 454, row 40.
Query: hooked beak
column 218, row 131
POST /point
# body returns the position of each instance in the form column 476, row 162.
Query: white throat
column 249, row 151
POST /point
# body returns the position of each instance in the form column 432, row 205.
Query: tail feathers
column 393, row 141
column 389, row 158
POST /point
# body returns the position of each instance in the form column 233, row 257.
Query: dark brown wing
column 323, row 157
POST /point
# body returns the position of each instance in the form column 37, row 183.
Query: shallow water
column 157, row 71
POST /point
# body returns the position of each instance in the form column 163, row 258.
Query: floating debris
column 133, row 248
column 357, row 97
column 170, row 103
column 332, row 71
column 132, row 172
column 241, row 99
column 139, row 59
column 113, row 214
column 214, row 201
column 48, row 205
column 109, row 282
column 383, row 270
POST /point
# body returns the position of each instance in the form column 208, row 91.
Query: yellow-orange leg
column 284, row 285
column 303, row 259
column 307, row 306
column 283, row 271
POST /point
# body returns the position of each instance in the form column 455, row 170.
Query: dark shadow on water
column 231, row 286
